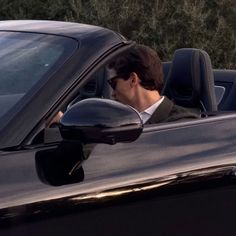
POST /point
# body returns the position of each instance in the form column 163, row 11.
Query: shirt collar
column 150, row 110
column 147, row 113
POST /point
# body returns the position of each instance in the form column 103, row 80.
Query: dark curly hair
column 145, row 62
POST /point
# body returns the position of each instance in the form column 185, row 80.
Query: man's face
column 125, row 89
column 122, row 90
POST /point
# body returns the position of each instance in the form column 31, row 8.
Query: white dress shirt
column 146, row 114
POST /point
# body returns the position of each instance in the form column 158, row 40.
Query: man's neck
column 145, row 99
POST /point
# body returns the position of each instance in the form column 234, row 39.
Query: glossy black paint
column 64, row 80
column 125, row 207
column 100, row 121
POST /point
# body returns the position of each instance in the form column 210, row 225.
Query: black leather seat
column 190, row 81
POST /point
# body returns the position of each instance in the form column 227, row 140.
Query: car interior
column 96, row 87
column 190, row 81
column 221, row 82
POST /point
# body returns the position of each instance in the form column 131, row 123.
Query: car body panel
column 66, row 77
column 112, row 171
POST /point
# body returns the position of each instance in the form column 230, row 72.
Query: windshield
column 26, row 58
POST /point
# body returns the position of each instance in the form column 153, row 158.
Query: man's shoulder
column 181, row 113
column 168, row 111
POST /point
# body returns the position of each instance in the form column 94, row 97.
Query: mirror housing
column 97, row 120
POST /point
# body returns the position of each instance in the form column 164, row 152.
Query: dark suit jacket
column 167, row 111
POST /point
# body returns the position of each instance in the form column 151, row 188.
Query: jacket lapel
column 162, row 112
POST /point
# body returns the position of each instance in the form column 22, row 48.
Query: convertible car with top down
column 101, row 171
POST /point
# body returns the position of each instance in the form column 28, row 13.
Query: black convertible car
column 100, row 171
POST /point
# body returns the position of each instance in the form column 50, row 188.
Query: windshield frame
column 69, row 44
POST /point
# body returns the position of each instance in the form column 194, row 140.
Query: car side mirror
column 96, row 120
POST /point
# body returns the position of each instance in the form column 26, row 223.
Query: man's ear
column 134, row 79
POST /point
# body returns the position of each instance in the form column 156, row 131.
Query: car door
column 152, row 171
column 169, row 181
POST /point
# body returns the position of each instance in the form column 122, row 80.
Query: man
column 137, row 80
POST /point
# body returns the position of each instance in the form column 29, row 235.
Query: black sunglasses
column 113, row 82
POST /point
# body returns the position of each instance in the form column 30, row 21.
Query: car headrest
column 190, row 81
